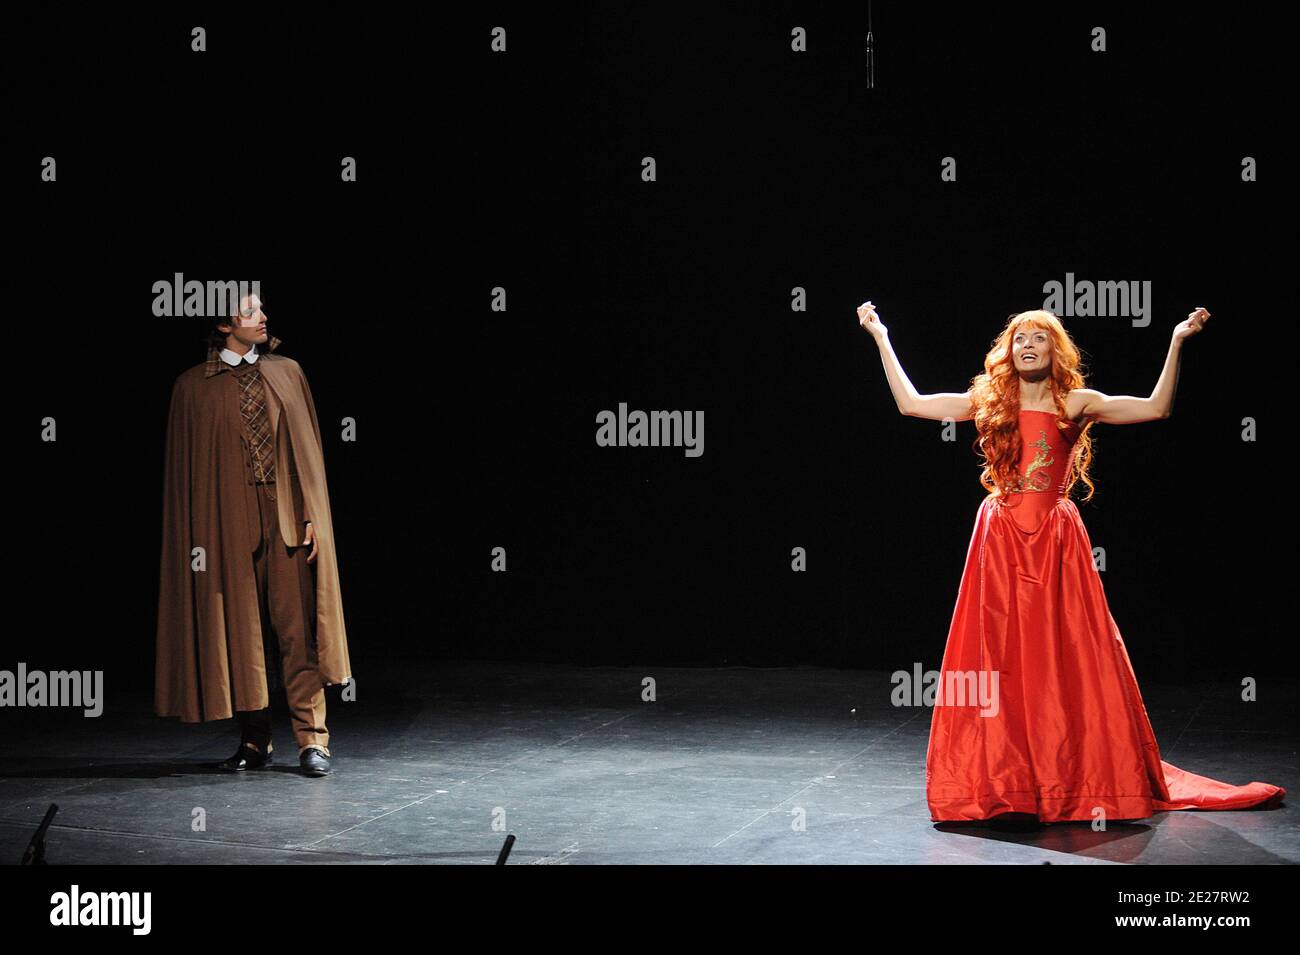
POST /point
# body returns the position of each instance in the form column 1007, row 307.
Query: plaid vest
column 257, row 423
column 258, row 438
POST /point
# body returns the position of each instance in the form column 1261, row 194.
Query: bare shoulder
column 1078, row 402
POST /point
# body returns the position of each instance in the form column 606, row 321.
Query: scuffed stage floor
column 438, row 763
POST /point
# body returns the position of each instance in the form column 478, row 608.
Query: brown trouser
column 286, row 595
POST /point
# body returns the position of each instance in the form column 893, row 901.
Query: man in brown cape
column 248, row 548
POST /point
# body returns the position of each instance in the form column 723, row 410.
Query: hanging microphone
column 871, row 52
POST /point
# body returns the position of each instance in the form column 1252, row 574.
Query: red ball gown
column 1067, row 733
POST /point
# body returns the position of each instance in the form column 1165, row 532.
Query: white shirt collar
column 234, row 358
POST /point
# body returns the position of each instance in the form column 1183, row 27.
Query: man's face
column 249, row 326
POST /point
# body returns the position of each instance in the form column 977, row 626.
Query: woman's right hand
column 869, row 320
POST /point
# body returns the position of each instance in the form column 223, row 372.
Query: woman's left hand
column 1195, row 322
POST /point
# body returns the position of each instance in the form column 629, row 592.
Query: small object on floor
column 246, row 757
column 314, row 762
column 35, row 852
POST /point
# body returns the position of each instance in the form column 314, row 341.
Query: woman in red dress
column 1037, row 712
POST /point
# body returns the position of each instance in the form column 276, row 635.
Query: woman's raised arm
column 1126, row 409
column 938, row 407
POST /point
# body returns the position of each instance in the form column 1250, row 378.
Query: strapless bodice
column 1046, row 456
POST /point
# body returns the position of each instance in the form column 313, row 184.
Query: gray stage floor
column 721, row 768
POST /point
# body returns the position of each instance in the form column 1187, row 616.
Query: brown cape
column 210, row 656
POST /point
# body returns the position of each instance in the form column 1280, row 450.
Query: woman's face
column 1031, row 351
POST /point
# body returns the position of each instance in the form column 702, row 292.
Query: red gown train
column 1066, row 732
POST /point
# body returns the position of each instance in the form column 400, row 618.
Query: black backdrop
column 521, row 170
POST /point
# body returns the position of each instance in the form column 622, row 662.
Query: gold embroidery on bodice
column 1042, row 459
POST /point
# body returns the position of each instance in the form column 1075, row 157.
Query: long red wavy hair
column 995, row 398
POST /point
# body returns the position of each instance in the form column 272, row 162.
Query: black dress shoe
column 246, row 758
column 314, row 762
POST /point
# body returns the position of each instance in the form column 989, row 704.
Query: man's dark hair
column 215, row 337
